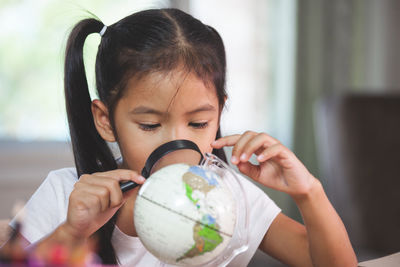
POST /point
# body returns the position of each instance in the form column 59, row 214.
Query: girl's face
column 163, row 107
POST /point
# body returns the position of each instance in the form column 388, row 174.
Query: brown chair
column 358, row 140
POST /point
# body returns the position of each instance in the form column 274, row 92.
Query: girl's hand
column 95, row 199
column 278, row 167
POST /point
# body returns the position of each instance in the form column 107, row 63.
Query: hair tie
column 103, row 30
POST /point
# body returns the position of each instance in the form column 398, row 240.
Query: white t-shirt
column 47, row 209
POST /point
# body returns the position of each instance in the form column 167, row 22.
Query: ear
column 102, row 120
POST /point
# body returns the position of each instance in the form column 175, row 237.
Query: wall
column 24, row 165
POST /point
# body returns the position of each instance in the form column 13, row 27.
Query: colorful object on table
column 14, row 254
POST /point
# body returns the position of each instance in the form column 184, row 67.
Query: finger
column 88, row 202
column 256, row 145
column 240, row 144
column 94, row 196
column 249, row 170
column 278, row 152
column 122, row 175
column 113, row 186
column 229, row 140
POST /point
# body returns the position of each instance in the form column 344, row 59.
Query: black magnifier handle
column 125, row 186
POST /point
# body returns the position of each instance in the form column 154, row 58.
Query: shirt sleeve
column 47, row 207
column 262, row 212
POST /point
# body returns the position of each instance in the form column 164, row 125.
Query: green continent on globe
column 206, row 239
column 205, row 233
column 189, row 192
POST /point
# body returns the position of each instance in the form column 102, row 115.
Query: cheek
column 134, row 147
column 133, row 154
column 205, row 143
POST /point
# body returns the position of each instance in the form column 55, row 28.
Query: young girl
column 160, row 76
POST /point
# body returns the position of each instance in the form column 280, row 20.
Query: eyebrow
column 206, row 107
column 147, row 110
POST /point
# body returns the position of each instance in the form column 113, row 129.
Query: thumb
column 250, row 170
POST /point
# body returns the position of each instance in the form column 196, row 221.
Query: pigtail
column 91, row 152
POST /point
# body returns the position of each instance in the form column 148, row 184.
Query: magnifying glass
column 176, row 151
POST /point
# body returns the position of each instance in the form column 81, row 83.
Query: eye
column 148, row 127
column 198, row 125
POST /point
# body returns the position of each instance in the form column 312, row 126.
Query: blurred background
column 322, row 76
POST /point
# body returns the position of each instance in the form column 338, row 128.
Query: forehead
column 165, row 90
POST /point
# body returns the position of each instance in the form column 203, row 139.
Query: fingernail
column 214, row 143
column 243, row 157
column 261, row 157
column 234, row 160
column 141, row 179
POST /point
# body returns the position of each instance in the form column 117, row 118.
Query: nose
column 177, row 133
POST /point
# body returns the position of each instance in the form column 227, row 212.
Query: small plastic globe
column 185, row 215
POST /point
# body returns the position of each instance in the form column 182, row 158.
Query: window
column 32, row 41
column 259, row 40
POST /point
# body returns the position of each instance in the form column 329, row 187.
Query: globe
column 185, row 215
